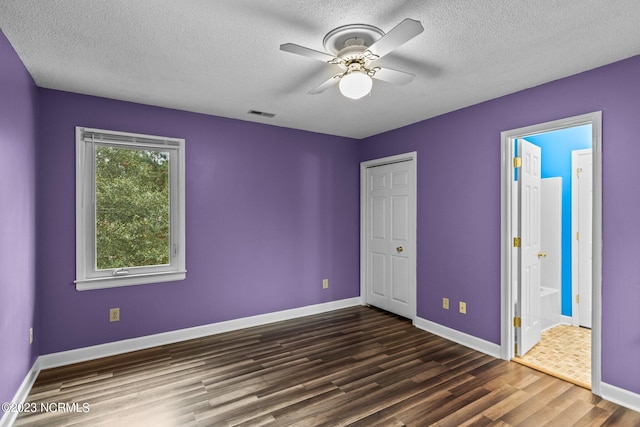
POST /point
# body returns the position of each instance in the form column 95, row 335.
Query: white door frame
column 363, row 224
column 506, row 246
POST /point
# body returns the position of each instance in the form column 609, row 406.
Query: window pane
column 132, row 207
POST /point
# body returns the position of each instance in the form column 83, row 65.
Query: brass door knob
column 399, row 249
column 542, row 254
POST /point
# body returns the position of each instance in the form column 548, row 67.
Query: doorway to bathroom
column 550, row 194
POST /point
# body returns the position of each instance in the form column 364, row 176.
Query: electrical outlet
column 325, row 283
column 445, row 303
column 463, row 307
column 30, row 335
column 114, row 315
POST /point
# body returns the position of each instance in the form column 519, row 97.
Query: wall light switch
column 30, row 335
column 325, row 283
column 445, row 303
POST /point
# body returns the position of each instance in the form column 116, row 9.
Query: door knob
column 399, row 249
column 542, row 254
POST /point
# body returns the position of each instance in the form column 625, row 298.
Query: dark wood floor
column 358, row 367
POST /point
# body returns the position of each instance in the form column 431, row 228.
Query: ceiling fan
column 354, row 48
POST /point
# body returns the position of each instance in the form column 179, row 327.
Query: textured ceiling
column 222, row 57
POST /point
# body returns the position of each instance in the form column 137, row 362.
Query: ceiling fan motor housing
column 340, row 38
column 353, row 55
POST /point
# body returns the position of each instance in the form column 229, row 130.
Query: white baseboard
column 63, row 358
column 9, row 418
column 608, row 392
column 459, row 337
column 620, row 396
column 113, row 348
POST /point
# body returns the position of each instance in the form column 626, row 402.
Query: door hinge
column 578, row 171
column 517, row 323
column 517, row 242
column 577, row 235
column 578, row 298
column 517, row 162
column 515, row 349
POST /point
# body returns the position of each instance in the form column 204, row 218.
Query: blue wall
column 556, row 149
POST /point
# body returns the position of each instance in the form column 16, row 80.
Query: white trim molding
column 506, row 235
column 620, row 396
column 88, row 275
column 63, row 358
column 466, row 340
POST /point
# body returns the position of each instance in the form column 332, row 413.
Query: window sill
column 131, row 280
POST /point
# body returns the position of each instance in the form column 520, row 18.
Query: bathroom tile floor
column 565, row 352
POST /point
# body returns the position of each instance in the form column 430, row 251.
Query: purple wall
column 270, row 213
column 18, row 126
column 459, row 205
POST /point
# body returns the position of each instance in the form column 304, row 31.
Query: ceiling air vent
column 261, row 113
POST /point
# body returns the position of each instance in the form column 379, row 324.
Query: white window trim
column 86, row 276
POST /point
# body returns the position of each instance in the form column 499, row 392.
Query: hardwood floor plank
column 570, row 415
column 595, row 417
column 476, row 408
column 538, row 403
column 401, row 410
column 452, row 405
column 623, row 417
column 307, row 411
column 499, row 409
column 353, row 367
column 573, row 395
column 354, row 409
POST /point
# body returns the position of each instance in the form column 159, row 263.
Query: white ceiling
column 222, row 57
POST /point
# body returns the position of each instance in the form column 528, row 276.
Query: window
column 130, row 219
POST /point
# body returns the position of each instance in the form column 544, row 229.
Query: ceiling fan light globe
column 355, row 85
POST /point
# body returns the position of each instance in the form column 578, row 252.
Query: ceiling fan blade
column 397, row 59
column 399, row 35
column 393, row 76
column 305, row 51
column 326, row 84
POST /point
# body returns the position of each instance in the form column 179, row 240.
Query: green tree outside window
column 132, row 207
